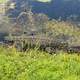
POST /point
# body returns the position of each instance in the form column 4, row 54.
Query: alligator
column 40, row 41
column 47, row 44
column 73, row 49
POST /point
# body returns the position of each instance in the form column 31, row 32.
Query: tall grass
column 36, row 65
column 3, row 1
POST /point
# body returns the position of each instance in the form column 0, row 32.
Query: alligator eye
column 25, row 32
column 32, row 34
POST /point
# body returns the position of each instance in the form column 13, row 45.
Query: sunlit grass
column 3, row 1
column 37, row 65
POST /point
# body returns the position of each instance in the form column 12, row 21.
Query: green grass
column 2, row 8
column 36, row 65
column 3, row 1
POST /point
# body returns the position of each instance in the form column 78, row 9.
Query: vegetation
column 65, row 31
column 36, row 65
column 27, row 21
column 3, row 1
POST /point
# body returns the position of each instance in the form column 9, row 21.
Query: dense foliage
column 3, row 1
column 36, row 65
column 39, row 24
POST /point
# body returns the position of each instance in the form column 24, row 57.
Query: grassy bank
column 3, row 1
column 36, row 65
